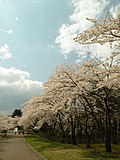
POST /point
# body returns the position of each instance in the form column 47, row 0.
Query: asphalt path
column 15, row 148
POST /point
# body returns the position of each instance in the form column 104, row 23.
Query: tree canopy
column 17, row 112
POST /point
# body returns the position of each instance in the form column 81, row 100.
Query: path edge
column 36, row 152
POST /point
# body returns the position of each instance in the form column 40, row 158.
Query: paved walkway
column 15, row 148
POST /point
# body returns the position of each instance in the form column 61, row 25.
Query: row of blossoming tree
column 80, row 103
column 6, row 123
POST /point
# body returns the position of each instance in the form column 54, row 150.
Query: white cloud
column 115, row 10
column 16, row 78
column 78, row 23
column 17, row 19
column 5, row 52
column 50, row 46
column 10, row 31
column 35, row 1
column 16, row 88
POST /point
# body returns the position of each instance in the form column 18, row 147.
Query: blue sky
column 36, row 36
column 34, row 26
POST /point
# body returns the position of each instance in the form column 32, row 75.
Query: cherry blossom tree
column 68, row 86
column 6, row 123
column 70, row 97
column 105, row 30
column 105, row 74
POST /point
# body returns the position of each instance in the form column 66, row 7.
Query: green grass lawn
column 58, row 151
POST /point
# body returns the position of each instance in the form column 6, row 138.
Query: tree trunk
column 117, row 134
column 108, row 132
column 62, row 129
column 88, row 140
column 73, row 137
column 87, row 134
column 73, row 140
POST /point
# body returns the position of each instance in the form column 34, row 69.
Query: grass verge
column 58, row 151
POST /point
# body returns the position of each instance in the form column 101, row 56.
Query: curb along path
column 15, row 148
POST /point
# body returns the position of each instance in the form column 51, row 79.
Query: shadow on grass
column 62, row 151
column 98, row 151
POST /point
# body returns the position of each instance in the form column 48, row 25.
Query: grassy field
column 58, row 151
